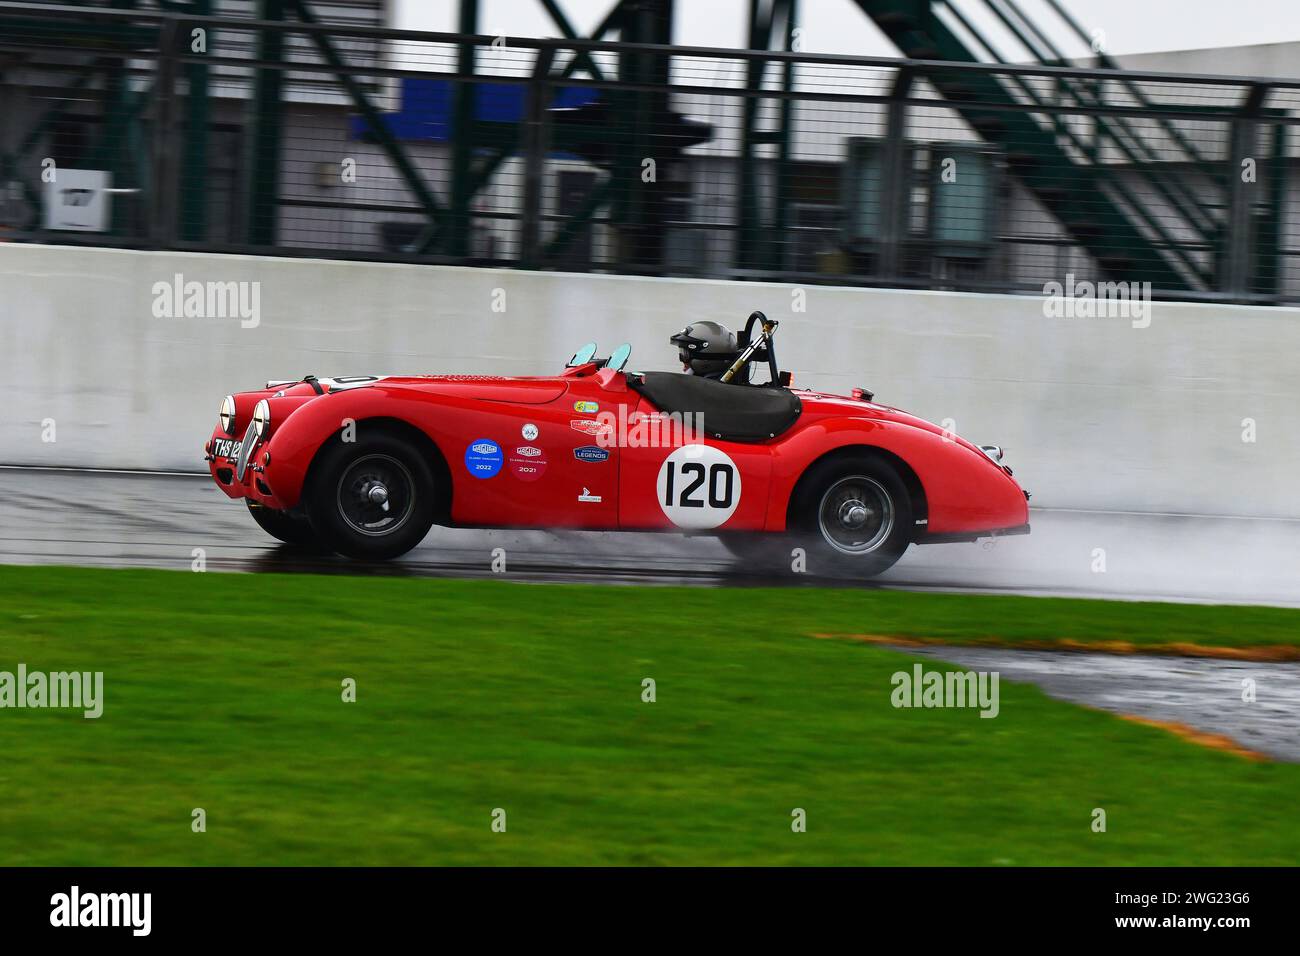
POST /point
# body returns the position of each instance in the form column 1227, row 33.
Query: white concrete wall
column 1093, row 412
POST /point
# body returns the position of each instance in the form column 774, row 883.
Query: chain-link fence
column 293, row 137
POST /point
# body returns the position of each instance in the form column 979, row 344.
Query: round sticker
column 483, row 458
column 530, row 431
column 527, row 463
column 698, row 486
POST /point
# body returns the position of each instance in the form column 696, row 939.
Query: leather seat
column 744, row 413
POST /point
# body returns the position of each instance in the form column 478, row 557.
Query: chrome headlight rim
column 226, row 415
column 261, row 418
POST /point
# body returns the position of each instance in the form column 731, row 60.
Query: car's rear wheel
column 291, row 529
column 371, row 499
column 854, row 514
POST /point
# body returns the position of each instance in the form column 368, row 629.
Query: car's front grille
column 245, row 452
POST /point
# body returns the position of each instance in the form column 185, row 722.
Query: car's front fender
column 293, row 443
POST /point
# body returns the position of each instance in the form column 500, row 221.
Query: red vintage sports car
column 366, row 465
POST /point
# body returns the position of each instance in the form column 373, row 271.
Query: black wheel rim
column 856, row 515
column 376, row 495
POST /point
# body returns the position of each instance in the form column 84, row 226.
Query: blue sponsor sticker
column 591, row 453
column 483, row 458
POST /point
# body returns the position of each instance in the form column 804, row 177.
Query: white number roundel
column 699, row 487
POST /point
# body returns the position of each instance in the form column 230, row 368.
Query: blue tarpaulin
column 427, row 107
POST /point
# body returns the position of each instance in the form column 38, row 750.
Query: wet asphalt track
column 104, row 519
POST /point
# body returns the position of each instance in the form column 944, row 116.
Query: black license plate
column 226, row 448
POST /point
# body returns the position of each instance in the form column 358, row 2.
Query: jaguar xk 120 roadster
column 365, row 465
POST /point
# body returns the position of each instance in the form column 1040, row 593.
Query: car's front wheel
column 291, row 529
column 372, row 498
column 854, row 513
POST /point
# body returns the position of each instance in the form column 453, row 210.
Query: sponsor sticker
column 527, row 463
column 483, row 458
column 586, row 408
column 529, row 431
column 698, row 486
column 591, row 453
column 588, row 497
column 589, row 426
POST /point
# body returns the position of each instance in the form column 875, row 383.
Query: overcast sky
column 839, row 26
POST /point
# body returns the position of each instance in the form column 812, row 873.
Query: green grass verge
column 223, row 692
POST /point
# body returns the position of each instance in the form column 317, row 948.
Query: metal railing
column 159, row 130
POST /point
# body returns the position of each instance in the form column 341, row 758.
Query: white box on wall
column 78, row 200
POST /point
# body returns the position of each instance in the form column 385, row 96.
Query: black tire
column 339, row 499
column 853, row 514
column 288, row 528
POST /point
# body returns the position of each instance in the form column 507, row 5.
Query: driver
column 707, row 349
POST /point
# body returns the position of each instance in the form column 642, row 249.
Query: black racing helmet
column 706, row 348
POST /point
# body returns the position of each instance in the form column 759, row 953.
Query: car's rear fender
column 915, row 490
column 962, row 489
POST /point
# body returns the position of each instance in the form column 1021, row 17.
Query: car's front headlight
column 261, row 418
column 227, row 414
